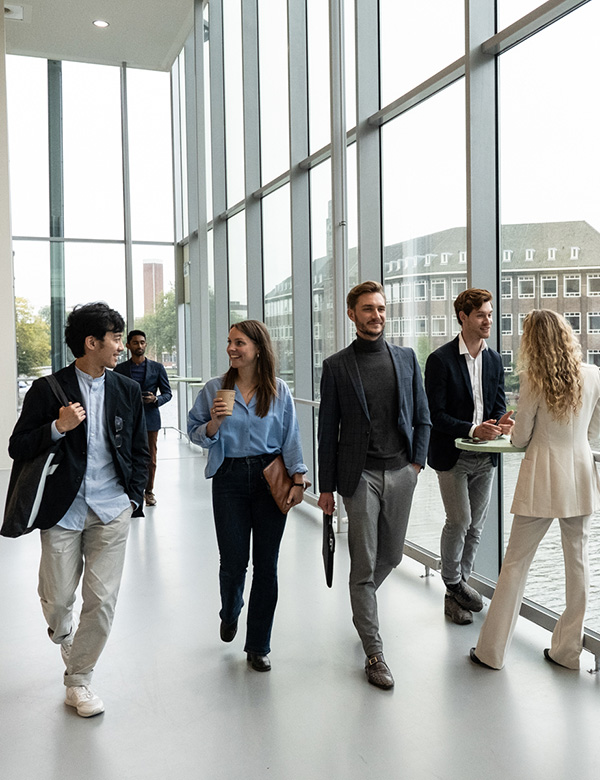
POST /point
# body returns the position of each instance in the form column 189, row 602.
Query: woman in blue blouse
column 263, row 424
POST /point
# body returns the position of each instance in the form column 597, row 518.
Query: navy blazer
column 344, row 422
column 155, row 379
column 450, row 396
column 126, row 430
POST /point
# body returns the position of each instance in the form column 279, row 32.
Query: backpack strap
column 57, row 389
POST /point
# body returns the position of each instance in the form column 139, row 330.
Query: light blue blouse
column 244, row 434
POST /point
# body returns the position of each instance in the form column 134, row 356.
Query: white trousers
column 499, row 625
column 97, row 552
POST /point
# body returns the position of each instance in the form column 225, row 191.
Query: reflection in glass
column 322, row 270
column 92, row 151
column 154, row 300
column 234, row 100
column 150, row 156
column 317, row 17
column 416, row 41
column 236, row 255
column 424, row 218
column 274, row 101
column 277, row 265
column 551, row 223
column 27, row 102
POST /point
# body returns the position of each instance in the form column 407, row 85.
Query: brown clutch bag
column 280, row 483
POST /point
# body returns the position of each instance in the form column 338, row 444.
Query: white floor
column 181, row 704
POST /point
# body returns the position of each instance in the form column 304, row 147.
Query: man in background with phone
column 464, row 382
column 152, row 378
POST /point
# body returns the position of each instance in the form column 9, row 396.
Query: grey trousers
column 378, row 514
column 97, row 552
column 501, row 619
column 466, row 489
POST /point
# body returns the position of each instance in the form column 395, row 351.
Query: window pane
column 509, row 11
column 234, row 100
column 274, row 101
column 317, row 18
column 207, row 114
column 277, row 263
column 32, row 303
column 92, row 151
column 27, row 95
column 417, row 40
column 424, row 218
column 558, row 224
column 322, row 269
column 95, row 272
column 150, row 155
column 236, row 263
column 350, row 62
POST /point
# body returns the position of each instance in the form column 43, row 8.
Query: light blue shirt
column 100, row 490
column 245, row 434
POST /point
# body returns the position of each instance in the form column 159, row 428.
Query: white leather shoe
column 85, row 701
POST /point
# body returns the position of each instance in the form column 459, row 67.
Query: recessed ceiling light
column 100, row 23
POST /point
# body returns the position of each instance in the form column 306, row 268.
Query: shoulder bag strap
column 57, row 390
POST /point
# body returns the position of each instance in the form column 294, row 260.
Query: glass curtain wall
column 438, row 218
column 66, row 138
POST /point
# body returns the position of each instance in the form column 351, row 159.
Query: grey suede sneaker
column 455, row 612
column 466, row 596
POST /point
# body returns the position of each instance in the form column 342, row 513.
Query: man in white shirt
column 464, row 381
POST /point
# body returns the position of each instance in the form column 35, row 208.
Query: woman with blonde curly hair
column 558, row 413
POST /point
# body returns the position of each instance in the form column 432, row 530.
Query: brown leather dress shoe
column 378, row 672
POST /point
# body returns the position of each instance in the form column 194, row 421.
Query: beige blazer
column 558, row 477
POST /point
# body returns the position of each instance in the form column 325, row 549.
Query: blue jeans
column 466, row 489
column 244, row 509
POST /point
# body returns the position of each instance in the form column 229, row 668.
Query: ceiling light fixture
column 100, row 23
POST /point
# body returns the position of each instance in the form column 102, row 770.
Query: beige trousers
column 499, row 625
column 97, row 552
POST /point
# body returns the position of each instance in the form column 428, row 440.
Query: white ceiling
column 143, row 33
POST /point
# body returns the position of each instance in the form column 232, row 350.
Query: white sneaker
column 85, row 701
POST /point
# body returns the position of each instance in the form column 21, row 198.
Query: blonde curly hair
column 550, row 355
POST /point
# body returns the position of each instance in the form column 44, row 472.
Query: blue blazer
column 450, row 396
column 344, row 422
column 155, row 379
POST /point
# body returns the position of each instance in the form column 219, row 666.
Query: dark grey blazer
column 450, row 396
column 344, row 423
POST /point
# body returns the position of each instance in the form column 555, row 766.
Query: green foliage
column 33, row 339
column 160, row 327
column 422, row 349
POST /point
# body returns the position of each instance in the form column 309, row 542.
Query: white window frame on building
column 462, row 256
column 591, row 278
column 434, row 284
column 458, row 286
column 593, row 357
column 572, row 278
column 521, row 281
column 506, row 280
column 441, row 320
column 421, row 326
column 422, row 296
column 595, row 314
column 549, row 286
column 529, row 254
column 574, row 253
column 507, row 364
column 552, row 253
column 445, row 256
column 522, row 316
column 574, row 320
column 506, row 324
column 507, row 255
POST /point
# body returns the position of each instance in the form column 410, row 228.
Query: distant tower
column 153, row 286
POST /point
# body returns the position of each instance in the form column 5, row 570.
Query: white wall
column 8, row 374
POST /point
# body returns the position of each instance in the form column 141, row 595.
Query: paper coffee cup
column 229, row 397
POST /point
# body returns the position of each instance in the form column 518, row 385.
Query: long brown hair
column 550, row 355
column 266, row 389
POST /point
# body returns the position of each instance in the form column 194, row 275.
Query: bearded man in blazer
column 88, row 502
column 373, row 434
column 156, row 391
column 464, row 381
